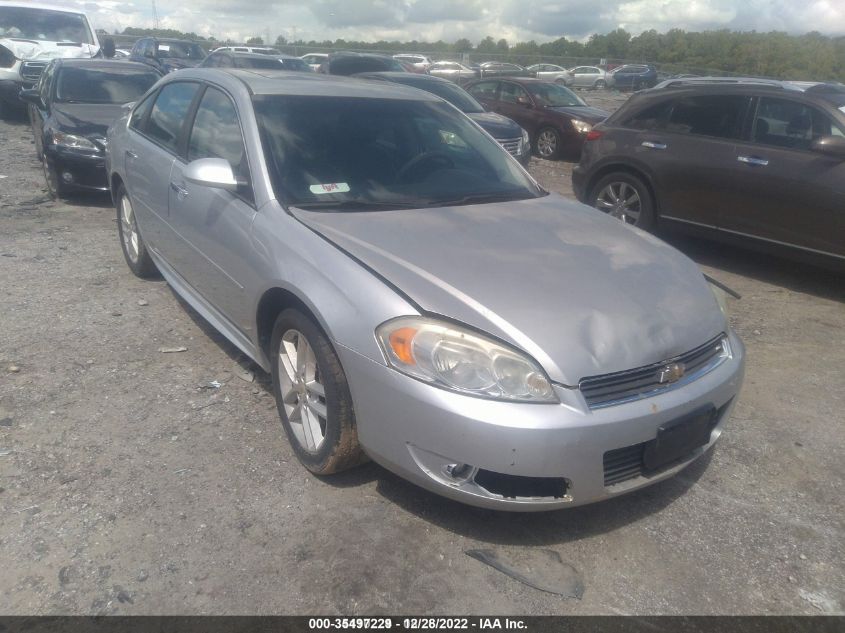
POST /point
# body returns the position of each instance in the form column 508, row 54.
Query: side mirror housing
column 31, row 95
column 108, row 48
column 833, row 146
column 216, row 173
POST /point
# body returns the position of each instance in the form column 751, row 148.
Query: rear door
column 782, row 190
column 156, row 129
column 213, row 224
column 688, row 144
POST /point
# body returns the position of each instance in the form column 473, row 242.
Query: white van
column 31, row 35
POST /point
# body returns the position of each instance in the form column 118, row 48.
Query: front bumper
column 10, row 90
column 78, row 171
column 421, row 432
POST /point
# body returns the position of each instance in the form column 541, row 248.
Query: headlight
column 526, row 141
column 582, row 127
column 71, row 141
column 721, row 298
column 457, row 359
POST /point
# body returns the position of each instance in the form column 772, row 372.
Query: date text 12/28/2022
column 416, row 624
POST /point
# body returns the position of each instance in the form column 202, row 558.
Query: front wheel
column 601, row 84
column 312, row 396
column 55, row 187
column 624, row 197
column 548, row 143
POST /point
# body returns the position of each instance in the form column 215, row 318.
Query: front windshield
column 555, row 95
column 452, row 93
column 89, row 85
column 180, row 50
column 340, row 153
column 44, row 25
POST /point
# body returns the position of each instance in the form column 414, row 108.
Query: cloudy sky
column 515, row 20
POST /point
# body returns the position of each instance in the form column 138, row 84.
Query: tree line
column 811, row 56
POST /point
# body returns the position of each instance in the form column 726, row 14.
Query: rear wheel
column 601, row 84
column 312, row 396
column 134, row 250
column 548, row 143
column 624, row 197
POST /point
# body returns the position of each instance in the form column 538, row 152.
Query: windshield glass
column 44, row 25
column 452, row 93
column 294, row 64
column 555, row 95
column 180, row 50
column 88, row 85
column 362, row 154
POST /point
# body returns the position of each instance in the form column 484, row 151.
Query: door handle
column 180, row 190
column 753, row 160
column 131, row 154
column 654, row 145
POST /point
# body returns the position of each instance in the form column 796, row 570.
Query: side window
column 718, row 116
column 511, row 93
column 140, row 113
column 169, row 112
column 217, row 134
column 790, row 124
column 485, row 89
column 653, row 117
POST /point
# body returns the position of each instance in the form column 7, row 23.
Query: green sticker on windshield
column 334, row 187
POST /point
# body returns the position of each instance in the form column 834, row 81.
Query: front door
column 783, row 191
column 215, row 224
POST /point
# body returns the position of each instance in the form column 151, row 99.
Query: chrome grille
column 511, row 144
column 31, row 71
column 625, row 386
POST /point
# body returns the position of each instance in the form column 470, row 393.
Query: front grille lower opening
column 513, row 486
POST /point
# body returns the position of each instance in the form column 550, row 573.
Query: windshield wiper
column 480, row 198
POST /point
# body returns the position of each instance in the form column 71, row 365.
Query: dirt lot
column 128, row 485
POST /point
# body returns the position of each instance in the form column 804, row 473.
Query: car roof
column 105, row 64
column 405, row 78
column 752, row 82
column 283, row 82
column 243, row 55
column 48, row 7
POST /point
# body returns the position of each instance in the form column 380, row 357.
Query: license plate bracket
column 680, row 437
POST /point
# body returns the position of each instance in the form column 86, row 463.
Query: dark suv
column 167, row 55
column 754, row 160
column 633, row 77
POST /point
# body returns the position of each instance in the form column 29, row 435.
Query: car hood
column 86, row 119
column 175, row 63
column 29, row 50
column 584, row 113
column 496, row 125
column 582, row 293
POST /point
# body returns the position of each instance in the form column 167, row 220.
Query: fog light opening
column 459, row 473
column 67, row 177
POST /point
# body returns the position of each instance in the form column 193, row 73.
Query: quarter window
column 169, row 112
column 718, row 116
column 140, row 113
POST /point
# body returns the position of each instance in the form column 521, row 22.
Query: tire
column 54, row 185
column 134, row 250
column 610, row 193
column 601, row 84
column 319, row 420
column 547, row 143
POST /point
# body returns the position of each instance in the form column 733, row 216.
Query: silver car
column 417, row 297
column 453, row 71
column 589, row 77
column 550, row 72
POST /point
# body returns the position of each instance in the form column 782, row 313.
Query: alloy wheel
column 547, row 143
column 303, row 393
column 620, row 200
column 129, row 229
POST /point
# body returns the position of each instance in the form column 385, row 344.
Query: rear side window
column 653, row 117
column 718, row 116
column 169, row 112
column 790, row 124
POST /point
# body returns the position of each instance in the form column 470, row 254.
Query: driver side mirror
column 31, row 95
column 833, row 146
column 108, row 48
column 216, row 173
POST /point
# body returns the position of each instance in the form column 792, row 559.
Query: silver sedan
column 416, row 296
column 452, row 71
column 589, row 77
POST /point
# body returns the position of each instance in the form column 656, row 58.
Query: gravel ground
column 129, row 485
